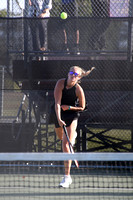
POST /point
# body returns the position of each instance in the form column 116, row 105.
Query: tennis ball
column 63, row 15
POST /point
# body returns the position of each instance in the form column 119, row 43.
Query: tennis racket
column 70, row 145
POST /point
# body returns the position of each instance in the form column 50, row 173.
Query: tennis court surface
column 37, row 176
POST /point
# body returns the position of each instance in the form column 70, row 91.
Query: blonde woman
column 67, row 94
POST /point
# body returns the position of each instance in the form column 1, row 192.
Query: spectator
column 39, row 9
column 71, row 32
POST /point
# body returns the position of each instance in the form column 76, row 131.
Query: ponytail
column 83, row 72
column 86, row 73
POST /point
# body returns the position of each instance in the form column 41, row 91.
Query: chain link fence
column 117, row 8
column 105, row 41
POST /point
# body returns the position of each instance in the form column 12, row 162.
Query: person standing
column 39, row 9
column 70, row 30
column 69, row 100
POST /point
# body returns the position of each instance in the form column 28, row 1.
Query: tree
column 3, row 13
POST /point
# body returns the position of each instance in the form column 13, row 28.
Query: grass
column 119, row 139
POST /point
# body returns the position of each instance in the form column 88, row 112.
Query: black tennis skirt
column 67, row 116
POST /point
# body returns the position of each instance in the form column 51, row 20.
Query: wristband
column 69, row 108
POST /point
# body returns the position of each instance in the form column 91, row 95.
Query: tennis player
column 69, row 100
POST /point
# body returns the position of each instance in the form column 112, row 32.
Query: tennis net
column 37, row 176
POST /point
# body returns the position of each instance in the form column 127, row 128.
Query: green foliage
column 83, row 7
column 3, row 13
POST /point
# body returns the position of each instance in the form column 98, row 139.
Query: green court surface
column 45, row 186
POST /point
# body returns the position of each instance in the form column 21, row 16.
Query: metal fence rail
column 121, row 8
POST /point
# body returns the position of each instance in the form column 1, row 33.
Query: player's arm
column 81, row 96
column 57, row 96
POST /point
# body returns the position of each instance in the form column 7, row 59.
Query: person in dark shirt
column 67, row 94
column 71, row 30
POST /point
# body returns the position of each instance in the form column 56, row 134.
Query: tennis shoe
column 66, row 181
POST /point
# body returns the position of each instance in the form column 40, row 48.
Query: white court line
column 123, row 189
column 83, row 188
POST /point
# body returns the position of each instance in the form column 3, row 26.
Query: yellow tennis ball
column 63, row 15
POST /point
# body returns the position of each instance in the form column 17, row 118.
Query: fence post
column 129, row 60
column 2, row 90
column 22, row 134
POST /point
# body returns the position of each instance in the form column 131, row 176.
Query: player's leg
column 59, row 132
column 71, row 133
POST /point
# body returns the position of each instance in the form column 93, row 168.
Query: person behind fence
column 39, row 9
column 70, row 29
column 69, row 101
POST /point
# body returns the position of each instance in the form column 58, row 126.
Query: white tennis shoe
column 66, row 181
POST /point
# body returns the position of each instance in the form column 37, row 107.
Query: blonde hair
column 83, row 72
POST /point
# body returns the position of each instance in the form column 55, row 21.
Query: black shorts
column 67, row 116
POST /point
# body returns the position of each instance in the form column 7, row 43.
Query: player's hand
column 64, row 107
column 61, row 123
